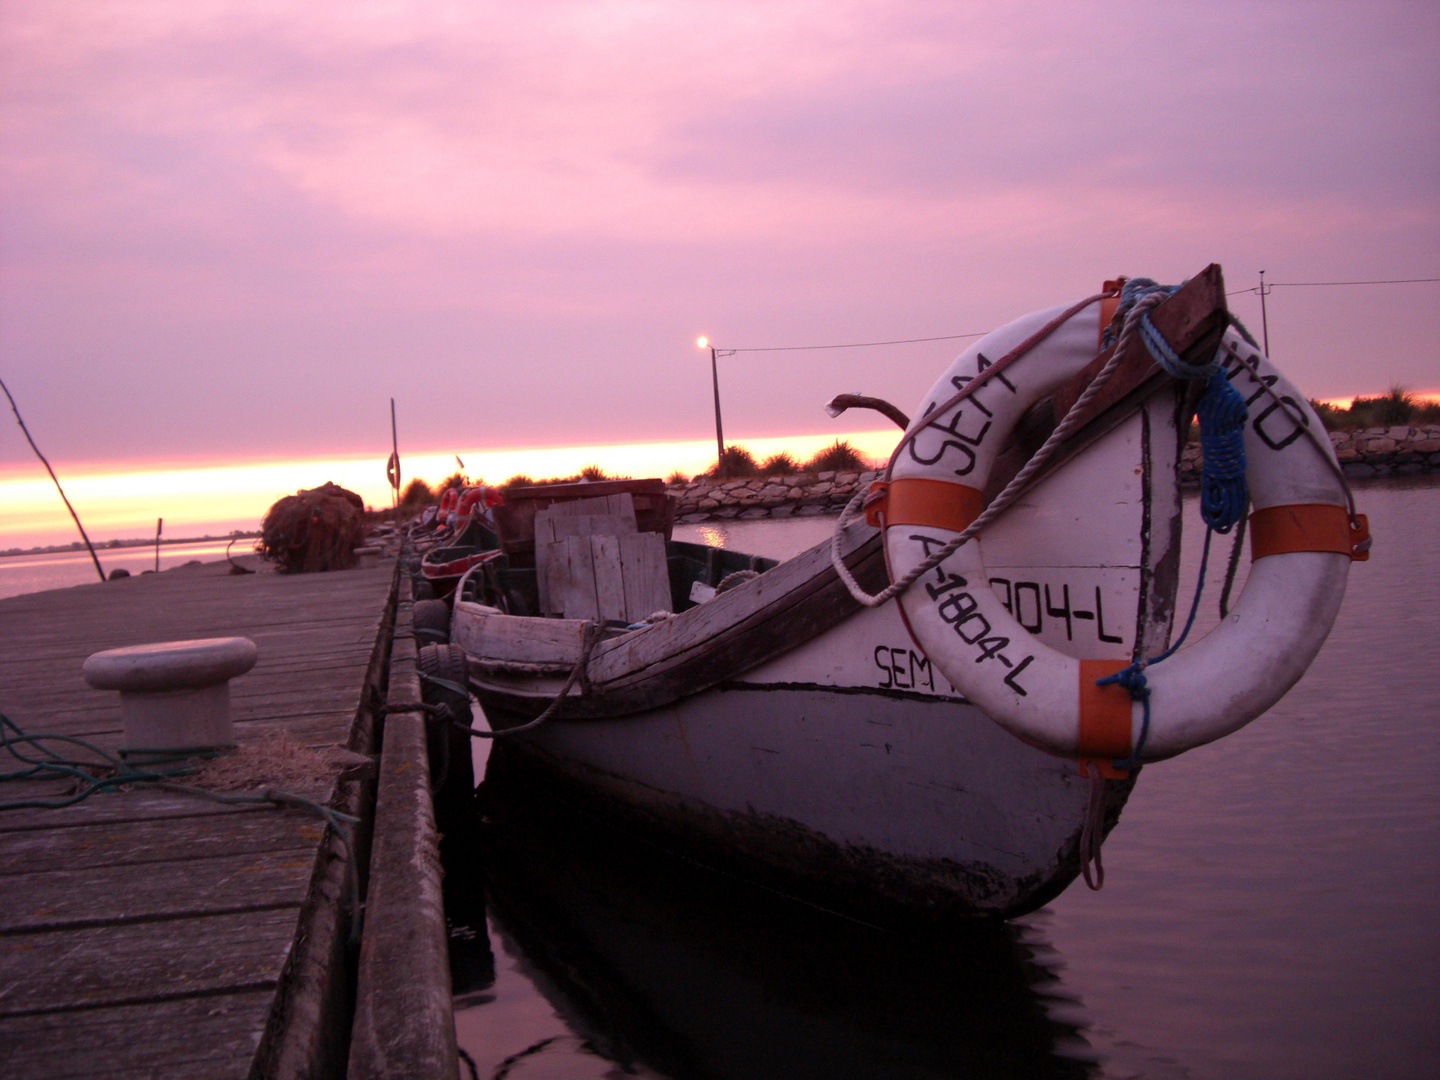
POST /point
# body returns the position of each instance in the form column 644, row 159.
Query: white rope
column 1012, row 490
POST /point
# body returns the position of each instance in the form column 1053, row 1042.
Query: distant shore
column 113, row 545
column 1398, row 450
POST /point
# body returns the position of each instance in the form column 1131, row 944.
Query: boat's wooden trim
column 522, row 639
column 706, row 645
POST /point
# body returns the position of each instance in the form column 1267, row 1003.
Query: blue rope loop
column 1223, row 492
column 1222, row 413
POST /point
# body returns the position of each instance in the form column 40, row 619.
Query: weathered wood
column 167, row 901
column 646, row 577
column 520, row 638
column 621, row 506
column 739, row 629
column 654, row 509
column 212, row 1037
column 404, row 1023
column 608, row 576
column 175, row 888
column 139, row 843
column 571, row 574
column 574, row 582
column 130, row 964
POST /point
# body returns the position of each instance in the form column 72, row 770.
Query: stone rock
column 703, row 504
column 826, row 477
column 754, row 512
column 691, row 519
column 1426, row 446
column 1399, row 434
column 1358, row 470
column 1379, row 446
column 782, row 511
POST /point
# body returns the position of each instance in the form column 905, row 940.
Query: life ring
column 1304, row 535
column 480, row 496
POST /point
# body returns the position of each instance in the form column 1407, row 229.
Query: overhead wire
column 958, row 337
column 1297, row 284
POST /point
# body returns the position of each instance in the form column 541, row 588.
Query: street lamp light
column 704, row 343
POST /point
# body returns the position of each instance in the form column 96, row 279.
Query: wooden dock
column 145, row 933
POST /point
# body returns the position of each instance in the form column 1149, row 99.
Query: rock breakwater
column 1405, row 450
column 798, row 495
column 1398, row 450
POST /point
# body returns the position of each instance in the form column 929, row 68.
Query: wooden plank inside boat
column 646, row 579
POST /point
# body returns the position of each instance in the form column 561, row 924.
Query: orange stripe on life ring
column 1279, row 530
column 1104, row 715
column 921, row 501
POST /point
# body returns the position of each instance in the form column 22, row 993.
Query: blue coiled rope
column 1224, row 495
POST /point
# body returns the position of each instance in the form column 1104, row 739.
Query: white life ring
column 1303, row 541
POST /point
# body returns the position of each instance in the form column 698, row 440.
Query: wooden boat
column 779, row 729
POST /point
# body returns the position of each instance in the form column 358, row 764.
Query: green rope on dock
column 162, row 771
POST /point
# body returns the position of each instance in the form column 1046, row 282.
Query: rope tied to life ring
column 1221, row 413
column 1142, row 304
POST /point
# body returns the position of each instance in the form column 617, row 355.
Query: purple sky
column 230, row 230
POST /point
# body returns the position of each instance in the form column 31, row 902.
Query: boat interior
column 599, row 551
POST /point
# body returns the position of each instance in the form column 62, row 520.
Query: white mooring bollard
column 174, row 695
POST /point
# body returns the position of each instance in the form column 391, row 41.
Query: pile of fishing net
column 315, row 529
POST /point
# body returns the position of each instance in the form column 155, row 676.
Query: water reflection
column 655, row 963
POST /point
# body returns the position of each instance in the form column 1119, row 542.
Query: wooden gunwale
column 713, row 642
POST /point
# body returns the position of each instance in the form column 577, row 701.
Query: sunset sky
column 232, row 231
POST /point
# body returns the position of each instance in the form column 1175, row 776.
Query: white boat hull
column 880, row 799
column 845, row 769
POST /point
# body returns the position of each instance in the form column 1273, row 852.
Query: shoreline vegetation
column 1393, row 434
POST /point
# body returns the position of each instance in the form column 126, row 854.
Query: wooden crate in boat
column 654, row 510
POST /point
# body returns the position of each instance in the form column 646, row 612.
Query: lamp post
column 704, row 343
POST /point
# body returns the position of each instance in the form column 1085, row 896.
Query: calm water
column 1271, row 907
column 32, row 573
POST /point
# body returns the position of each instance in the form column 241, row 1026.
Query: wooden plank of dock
column 151, row 934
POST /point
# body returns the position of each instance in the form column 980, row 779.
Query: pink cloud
column 240, row 227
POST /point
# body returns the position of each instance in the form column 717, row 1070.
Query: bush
column 677, row 477
column 519, row 480
column 417, row 494
column 735, row 463
column 592, row 473
column 838, row 457
column 1397, row 407
column 454, row 480
column 781, row 464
